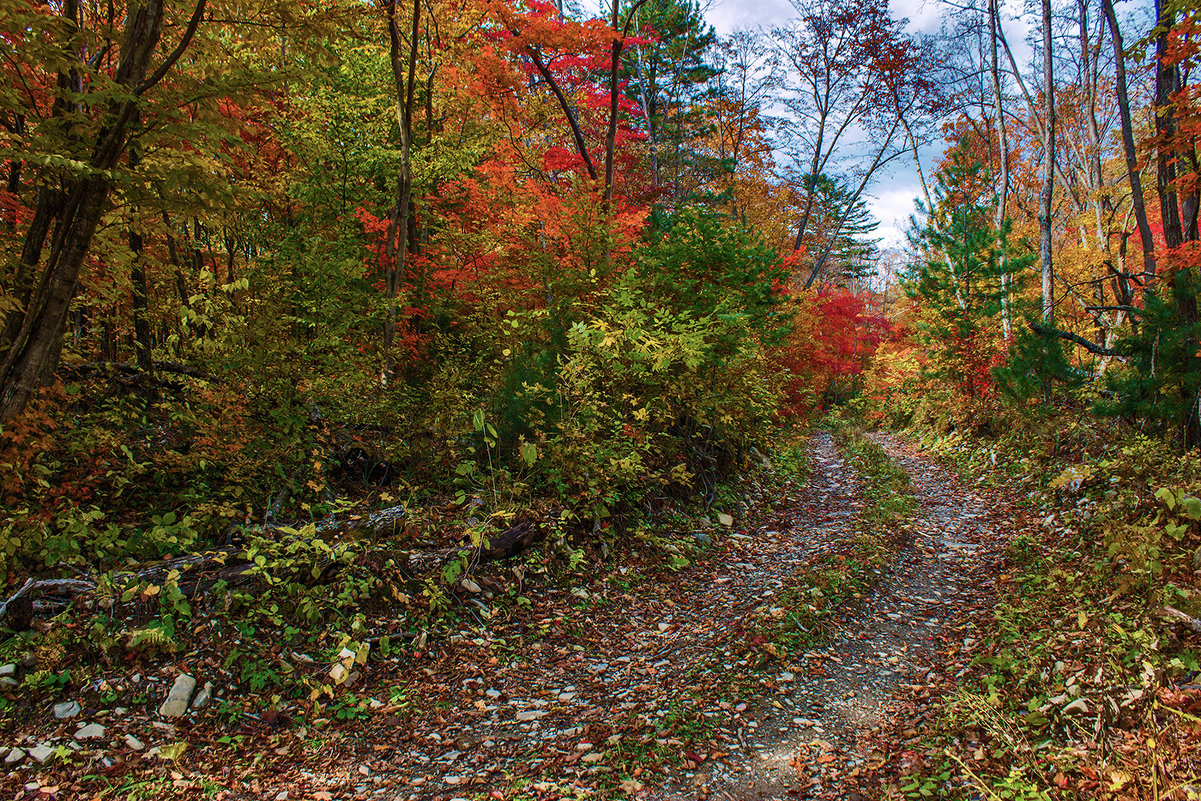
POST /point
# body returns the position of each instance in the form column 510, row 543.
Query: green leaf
column 173, row 751
column 1167, row 497
column 1191, row 507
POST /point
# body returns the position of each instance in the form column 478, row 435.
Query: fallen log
column 510, row 542
column 1188, row 620
column 19, row 605
column 200, row 572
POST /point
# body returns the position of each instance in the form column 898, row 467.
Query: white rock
column 8, row 670
column 1078, row 707
column 133, row 743
column 725, row 519
column 92, row 731
column 67, row 709
column 470, row 585
column 530, row 714
column 176, row 704
column 42, row 753
column 14, row 757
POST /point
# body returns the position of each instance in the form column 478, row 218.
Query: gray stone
column 7, row 683
column 134, row 743
column 204, row 696
column 469, row 585
column 9, row 670
column 42, row 753
column 15, row 756
column 177, row 700
column 530, row 714
column 1079, row 706
column 67, row 709
column 92, row 731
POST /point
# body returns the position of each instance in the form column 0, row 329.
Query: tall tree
column 404, row 79
column 85, row 136
column 1046, row 193
column 838, row 61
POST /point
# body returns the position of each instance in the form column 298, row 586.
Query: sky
column 892, row 195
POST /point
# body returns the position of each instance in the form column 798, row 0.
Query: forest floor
column 733, row 677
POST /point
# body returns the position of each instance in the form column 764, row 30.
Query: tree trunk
column 994, row 23
column 398, row 224
column 1048, row 185
column 619, row 34
column 139, row 296
column 1132, row 172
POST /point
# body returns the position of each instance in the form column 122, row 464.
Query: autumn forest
column 520, row 399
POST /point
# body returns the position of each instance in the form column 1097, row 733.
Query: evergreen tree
column 1161, row 384
column 958, row 274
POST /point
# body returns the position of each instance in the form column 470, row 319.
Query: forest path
column 819, row 735
column 596, row 691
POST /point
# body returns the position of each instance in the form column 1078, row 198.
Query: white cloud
column 731, row 15
column 892, row 205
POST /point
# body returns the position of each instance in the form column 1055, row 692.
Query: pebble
column 133, row 743
column 530, row 714
column 9, row 670
column 15, row 756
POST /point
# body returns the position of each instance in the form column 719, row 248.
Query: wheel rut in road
column 811, row 739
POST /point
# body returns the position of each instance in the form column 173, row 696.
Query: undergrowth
column 1083, row 683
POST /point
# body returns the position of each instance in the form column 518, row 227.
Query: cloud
column 731, row 15
column 892, row 204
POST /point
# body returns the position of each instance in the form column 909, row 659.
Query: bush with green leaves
column 665, row 384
